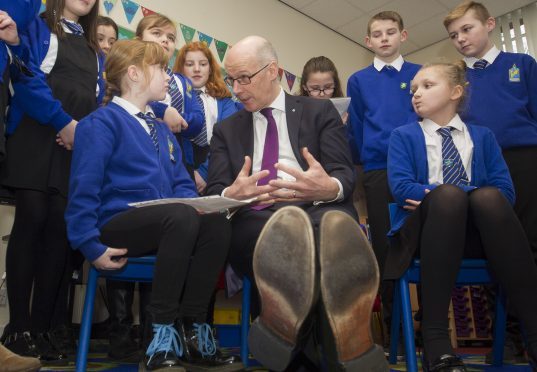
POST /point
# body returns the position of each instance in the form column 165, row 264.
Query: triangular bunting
column 109, row 5
column 171, row 62
column 280, row 73
column 130, row 8
column 221, row 48
column 290, row 79
column 188, row 33
column 43, row 6
column 146, row 11
column 125, row 34
column 205, row 38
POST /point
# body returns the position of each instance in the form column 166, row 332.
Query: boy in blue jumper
column 380, row 102
column 503, row 97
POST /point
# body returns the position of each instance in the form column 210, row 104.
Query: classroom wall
column 295, row 37
column 442, row 49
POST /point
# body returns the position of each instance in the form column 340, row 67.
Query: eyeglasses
column 245, row 79
column 317, row 91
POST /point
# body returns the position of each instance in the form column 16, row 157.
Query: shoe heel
column 271, row 351
column 373, row 360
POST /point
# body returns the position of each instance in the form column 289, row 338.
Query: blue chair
column 139, row 270
column 472, row 271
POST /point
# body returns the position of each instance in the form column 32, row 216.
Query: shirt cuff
column 338, row 198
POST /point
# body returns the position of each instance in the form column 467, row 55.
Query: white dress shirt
column 133, row 110
column 490, row 56
column 210, row 106
column 433, row 142
column 397, row 63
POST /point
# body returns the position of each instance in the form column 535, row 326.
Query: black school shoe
column 445, row 363
column 286, row 278
column 349, row 280
column 164, row 350
column 122, row 346
column 22, row 344
column 200, row 351
column 63, row 339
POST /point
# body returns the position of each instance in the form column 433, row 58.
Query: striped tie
column 175, row 93
column 74, row 27
column 452, row 167
column 151, row 123
column 201, row 138
column 480, row 64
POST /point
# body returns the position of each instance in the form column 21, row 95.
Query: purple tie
column 270, row 152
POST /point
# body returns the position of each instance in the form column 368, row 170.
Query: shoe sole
column 225, row 368
column 143, row 368
column 285, row 275
column 349, row 282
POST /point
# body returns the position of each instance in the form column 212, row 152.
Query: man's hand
column 312, row 185
column 245, row 186
column 174, row 120
column 108, row 261
column 66, row 136
column 8, row 29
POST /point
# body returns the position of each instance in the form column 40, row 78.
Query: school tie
column 480, row 64
column 151, row 123
column 175, row 93
column 270, row 152
column 201, row 138
column 452, row 168
column 74, row 27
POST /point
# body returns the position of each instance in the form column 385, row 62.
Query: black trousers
column 451, row 224
column 37, row 256
column 190, row 248
column 319, row 351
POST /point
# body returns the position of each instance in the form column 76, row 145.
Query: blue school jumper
column 408, row 172
column 380, row 102
column 115, row 163
column 503, row 97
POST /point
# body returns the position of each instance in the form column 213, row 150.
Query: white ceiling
column 422, row 18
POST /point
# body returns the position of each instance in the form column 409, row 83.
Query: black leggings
column 479, row 224
column 191, row 250
column 37, row 255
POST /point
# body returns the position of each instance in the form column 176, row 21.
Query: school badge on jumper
column 514, row 74
column 170, row 149
column 403, row 85
column 189, row 90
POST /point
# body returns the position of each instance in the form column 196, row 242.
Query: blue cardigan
column 115, row 163
column 226, row 107
column 32, row 94
column 408, row 172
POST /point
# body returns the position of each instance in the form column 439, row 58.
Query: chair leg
column 499, row 329
column 245, row 319
column 396, row 323
column 408, row 326
column 85, row 324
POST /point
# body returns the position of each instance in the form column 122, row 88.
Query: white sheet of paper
column 204, row 204
column 341, row 104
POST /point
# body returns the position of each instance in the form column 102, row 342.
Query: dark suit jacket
column 311, row 123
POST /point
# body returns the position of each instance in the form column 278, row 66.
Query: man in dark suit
column 291, row 154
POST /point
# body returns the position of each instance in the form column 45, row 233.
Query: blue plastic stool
column 472, row 271
column 138, row 269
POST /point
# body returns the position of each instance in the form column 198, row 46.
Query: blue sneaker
column 164, row 350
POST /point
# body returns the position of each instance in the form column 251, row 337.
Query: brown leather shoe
column 285, row 274
column 11, row 362
column 349, row 282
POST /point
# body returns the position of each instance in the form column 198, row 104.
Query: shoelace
column 166, row 339
column 206, row 342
